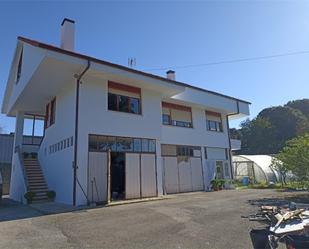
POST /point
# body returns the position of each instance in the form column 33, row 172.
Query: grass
column 293, row 185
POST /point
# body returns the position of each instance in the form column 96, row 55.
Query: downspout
column 78, row 81
column 229, row 135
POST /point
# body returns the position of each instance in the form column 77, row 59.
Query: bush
column 51, row 194
column 29, row 196
column 34, row 155
column 217, row 184
column 25, row 154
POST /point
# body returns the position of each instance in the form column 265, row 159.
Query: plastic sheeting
column 256, row 166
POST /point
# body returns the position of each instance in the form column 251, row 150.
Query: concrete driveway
column 193, row 220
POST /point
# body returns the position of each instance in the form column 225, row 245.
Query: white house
column 112, row 132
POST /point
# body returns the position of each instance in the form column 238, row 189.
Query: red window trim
column 175, row 106
column 46, row 116
column 52, row 111
column 217, row 114
column 122, row 87
column 50, row 114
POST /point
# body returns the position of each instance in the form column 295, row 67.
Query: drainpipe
column 78, row 82
column 228, row 130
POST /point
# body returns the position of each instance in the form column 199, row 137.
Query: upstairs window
column 124, row 98
column 18, row 74
column 214, row 121
column 50, row 113
column 176, row 115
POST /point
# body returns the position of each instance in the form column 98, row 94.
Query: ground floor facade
column 123, row 168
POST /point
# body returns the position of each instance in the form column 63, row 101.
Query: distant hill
column 273, row 126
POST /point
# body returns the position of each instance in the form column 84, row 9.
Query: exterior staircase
column 35, row 180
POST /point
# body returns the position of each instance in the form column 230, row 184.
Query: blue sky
column 173, row 34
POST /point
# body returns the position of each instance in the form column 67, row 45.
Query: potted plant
column 25, row 154
column 215, row 184
column 34, row 155
column 51, row 195
column 221, row 183
column 29, row 196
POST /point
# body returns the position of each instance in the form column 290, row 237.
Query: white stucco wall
column 17, row 183
column 198, row 135
column 32, row 57
column 57, row 167
column 95, row 118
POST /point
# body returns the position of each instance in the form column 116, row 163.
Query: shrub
column 217, row 184
column 29, row 196
column 25, row 154
column 51, row 194
column 34, row 155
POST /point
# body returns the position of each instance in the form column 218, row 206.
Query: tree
column 301, row 105
column 277, row 165
column 295, row 157
column 273, row 126
column 256, row 136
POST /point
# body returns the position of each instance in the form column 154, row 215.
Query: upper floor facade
column 114, row 100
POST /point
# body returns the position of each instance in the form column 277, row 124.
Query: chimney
column 67, row 34
column 170, row 74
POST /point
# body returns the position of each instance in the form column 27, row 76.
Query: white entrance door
column 97, row 177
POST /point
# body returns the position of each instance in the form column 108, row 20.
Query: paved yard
column 193, row 220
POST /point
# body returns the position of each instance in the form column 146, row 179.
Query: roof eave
column 82, row 56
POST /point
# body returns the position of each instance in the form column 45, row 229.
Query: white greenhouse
column 257, row 167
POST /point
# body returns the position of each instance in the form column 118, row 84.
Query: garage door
column 140, row 175
column 132, row 182
column 182, row 176
column 171, row 175
column 97, row 177
column 148, row 175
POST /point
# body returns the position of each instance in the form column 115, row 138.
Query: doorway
column 117, row 176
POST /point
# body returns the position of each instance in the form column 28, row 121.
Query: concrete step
column 37, row 184
column 37, row 189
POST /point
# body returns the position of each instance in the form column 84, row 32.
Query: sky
column 175, row 34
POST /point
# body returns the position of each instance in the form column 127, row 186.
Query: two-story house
column 112, row 132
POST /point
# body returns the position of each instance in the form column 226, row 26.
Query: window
column 152, row 145
column 50, row 113
column 124, row 144
column 112, row 101
column 121, row 144
column 124, row 98
column 180, row 150
column 18, row 74
column 219, row 170
column 166, row 119
column 137, row 143
column 214, row 121
column 176, row 115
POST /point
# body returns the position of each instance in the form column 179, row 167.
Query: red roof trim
column 82, row 56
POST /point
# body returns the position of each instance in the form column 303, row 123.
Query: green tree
column 269, row 131
column 256, row 136
column 277, row 165
column 301, row 105
column 295, row 157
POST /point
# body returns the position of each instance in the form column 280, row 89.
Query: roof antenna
column 131, row 62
